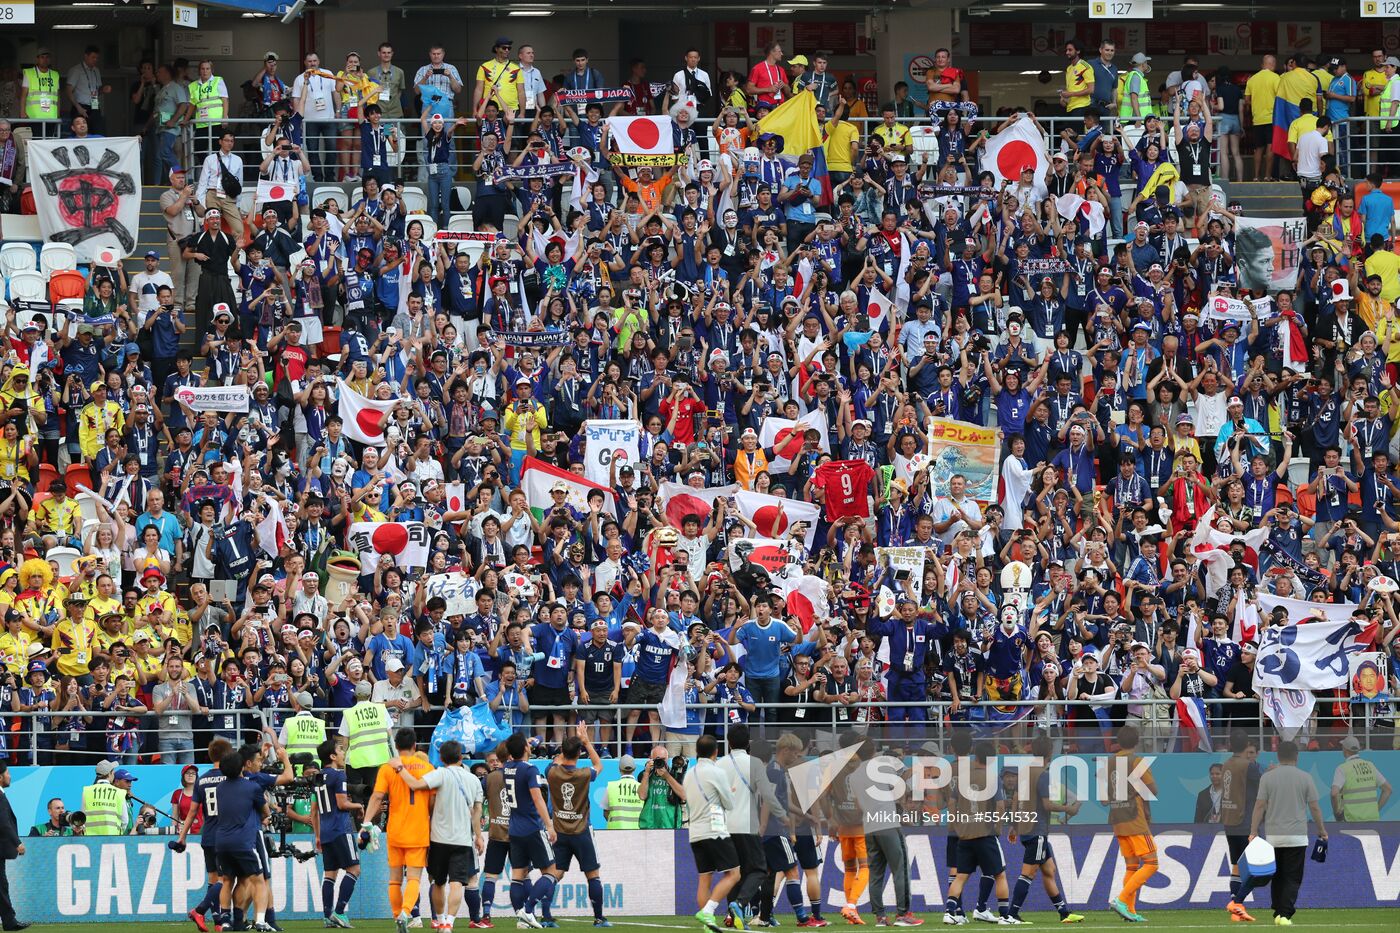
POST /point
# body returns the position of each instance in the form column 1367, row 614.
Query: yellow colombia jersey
column 409, row 810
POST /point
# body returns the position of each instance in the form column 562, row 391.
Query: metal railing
column 43, row 737
column 250, row 148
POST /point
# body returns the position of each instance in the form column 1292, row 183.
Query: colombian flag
column 795, row 120
column 1285, row 112
column 822, row 176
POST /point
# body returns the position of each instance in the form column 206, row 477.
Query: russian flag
column 1195, row 726
column 1285, row 112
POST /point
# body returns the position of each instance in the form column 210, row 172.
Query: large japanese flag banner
column 363, row 417
column 537, row 478
column 405, row 542
column 1015, row 147
column 679, row 500
column 88, row 194
column 609, row 442
column 774, row 515
column 808, row 601
column 1310, row 655
column 642, row 135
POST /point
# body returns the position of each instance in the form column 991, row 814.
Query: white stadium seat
column 319, row 195
column 461, row 223
column 29, row 285
column 56, row 257
column 415, row 200
column 16, row 257
column 429, row 225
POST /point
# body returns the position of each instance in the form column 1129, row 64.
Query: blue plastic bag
column 475, row 728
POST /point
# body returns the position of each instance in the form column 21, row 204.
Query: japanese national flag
column 878, row 307
column 363, row 417
column 642, row 135
column 808, row 601
column 272, row 191
column 1073, row 207
column 272, row 530
column 456, row 497
column 679, row 500
column 774, row 516
column 405, row 542
column 1015, row 147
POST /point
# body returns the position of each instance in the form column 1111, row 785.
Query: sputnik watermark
column 963, row 790
column 1115, row 780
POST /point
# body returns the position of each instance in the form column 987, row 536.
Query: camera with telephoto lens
column 303, row 787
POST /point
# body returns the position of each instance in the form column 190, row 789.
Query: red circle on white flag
column 390, row 538
column 277, row 193
column 368, row 420
column 771, row 520
column 643, row 133
column 1015, row 155
column 788, row 442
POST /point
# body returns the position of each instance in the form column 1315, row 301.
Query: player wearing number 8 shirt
column 408, row 831
column 568, row 794
column 207, row 806
column 844, row 485
column 531, row 833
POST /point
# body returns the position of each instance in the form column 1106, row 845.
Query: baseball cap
column 627, row 764
column 305, row 700
column 1392, row 61
column 105, row 767
column 393, row 664
column 270, row 57
column 121, row 774
column 152, row 254
column 798, row 60
column 363, row 690
column 897, row 157
column 1351, row 744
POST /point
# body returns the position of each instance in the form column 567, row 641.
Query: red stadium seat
column 47, row 474
column 67, row 283
column 75, row 474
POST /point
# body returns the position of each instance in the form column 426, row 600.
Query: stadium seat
column 28, row 286
column 464, row 196
column 474, row 249
column 47, row 474
column 40, row 497
column 77, row 473
column 460, row 223
column 512, row 225
column 56, row 257
column 246, row 202
column 318, row 197
column 16, row 257
column 415, row 200
column 68, row 283
column 356, row 194
column 429, row 226
column 925, row 140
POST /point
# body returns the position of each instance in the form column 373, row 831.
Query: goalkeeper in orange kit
column 410, row 816
column 1130, row 816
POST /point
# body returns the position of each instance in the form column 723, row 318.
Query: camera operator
column 331, row 821
column 661, row 793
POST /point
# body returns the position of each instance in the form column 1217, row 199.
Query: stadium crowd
column 700, row 297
